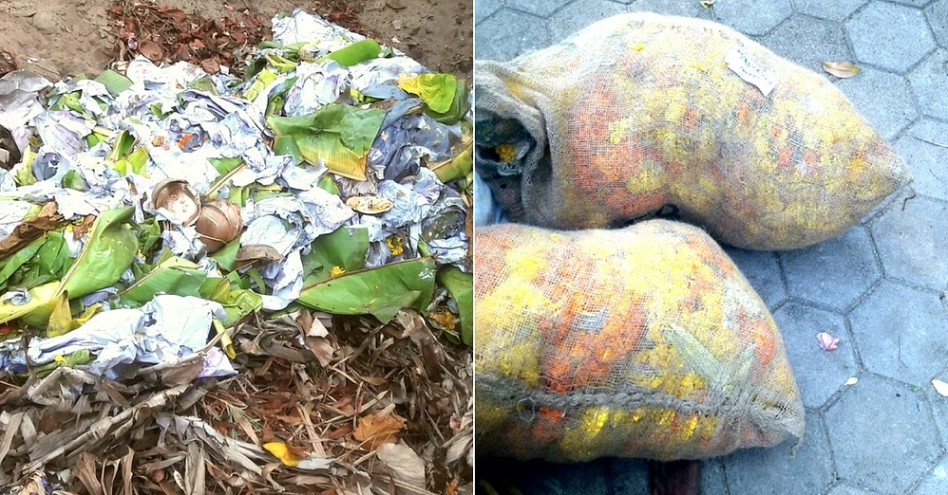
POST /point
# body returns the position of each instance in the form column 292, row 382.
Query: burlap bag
column 643, row 342
column 640, row 111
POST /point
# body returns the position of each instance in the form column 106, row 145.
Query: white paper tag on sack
column 738, row 62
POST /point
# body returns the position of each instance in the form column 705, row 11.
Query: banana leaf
column 381, row 292
column 338, row 136
column 110, row 250
column 458, row 109
column 461, row 287
column 40, row 301
column 436, row 90
column 356, row 53
column 175, row 276
column 114, row 82
column 237, row 303
column 344, row 248
column 50, row 262
column 455, row 168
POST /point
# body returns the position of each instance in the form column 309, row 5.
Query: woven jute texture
column 644, row 341
column 641, row 111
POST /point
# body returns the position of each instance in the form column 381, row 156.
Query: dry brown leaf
column 842, row 70
column 151, row 50
column 48, row 219
column 403, row 463
column 321, row 348
column 379, row 429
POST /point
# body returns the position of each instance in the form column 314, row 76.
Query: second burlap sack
column 643, row 342
column 641, row 111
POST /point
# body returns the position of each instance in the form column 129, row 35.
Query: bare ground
column 67, row 37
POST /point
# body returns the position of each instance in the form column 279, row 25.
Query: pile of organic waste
column 212, row 283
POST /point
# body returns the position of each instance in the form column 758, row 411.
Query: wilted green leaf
column 40, row 301
column 48, row 263
column 110, row 250
column 344, row 248
column 114, row 82
column 175, row 276
column 380, row 292
column 459, row 106
column 355, row 53
column 337, row 135
column 455, row 168
column 237, row 303
column 461, row 287
column 436, row 90
column 226, row 257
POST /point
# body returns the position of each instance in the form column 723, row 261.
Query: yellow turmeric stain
column 506, row 153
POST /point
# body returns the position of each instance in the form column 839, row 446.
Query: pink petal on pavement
column 827, row 341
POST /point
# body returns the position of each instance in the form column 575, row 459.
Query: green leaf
column 345, row 248
column 328, row 184
column 13, row 263
column 226, row 257
column 110, row 250
column 455, row 168
column 40, row 302
column 337, row 135
column 459, row 106
column 175, row 276
column 264, row 78
column 237, row 302
column 436, row 90
column 49, row 263
column 380, row 292
column 356, row 53
column 134, row 163
column 204, row 83
column 461, row 287
column 114, row 82
column 74, row 180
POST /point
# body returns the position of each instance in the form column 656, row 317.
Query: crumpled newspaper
column 184, row 124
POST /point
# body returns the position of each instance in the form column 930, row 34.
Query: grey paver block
column 775, row 471
column 766, row 15
column 939, row 406
column 542, row 8
column 890, row 36
column 762, row 271
column 580, row 14
column 629, row 475
column 914, row 3
column 819, row 373
column 882, row 437
column 588, row 478
column 936, row 482
column 832, row 273
column 508, row 34
column 844, row 489
column 808, row 41
column 937, row 14
column 484, row 8
column 925, row 150
column 901, row 333
column 836, row 10
column 883, row 98
column 929, row 82
column 912, row 242
column 672, row 7
column 712, row 477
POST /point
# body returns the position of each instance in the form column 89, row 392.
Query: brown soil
column 57, row 38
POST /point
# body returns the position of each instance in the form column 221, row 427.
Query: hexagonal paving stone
column 765, row 15
column 890, row 36
column 672, row 7
column 832, row 273
column 925, row 150
column 939, row 405
column 580, row 14
column 760, row 268
column 542, row 9
column 883, row 98
column 929, row 81
column 836, row 10
column 936, row 482
column 875, row 423
column 844, row 489
column 912, row 243
column 937, row 14
column 808, row 41
column 775, row 471
column 914, row 3
column 901, row 333
column 484, row 8
column 819, row 373
column 508, row 34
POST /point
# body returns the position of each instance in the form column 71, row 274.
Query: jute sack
column 642, row 111
column 643, row 342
